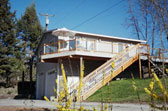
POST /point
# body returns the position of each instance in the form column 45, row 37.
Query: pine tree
column 29, row 32
column 7, row 40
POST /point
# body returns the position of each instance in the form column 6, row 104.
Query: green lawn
column 122, row 91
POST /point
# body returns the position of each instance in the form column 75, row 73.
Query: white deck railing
column 83, row 45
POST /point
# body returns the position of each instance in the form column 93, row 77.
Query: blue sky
column 70, row 13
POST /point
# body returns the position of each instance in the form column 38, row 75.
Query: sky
column 111, row 17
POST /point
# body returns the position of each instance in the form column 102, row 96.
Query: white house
column 67, row 47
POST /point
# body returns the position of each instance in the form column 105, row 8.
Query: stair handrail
column 106, row 64
column 76, row 84
column 155, row 66
column 128, row 50
column 116, row 57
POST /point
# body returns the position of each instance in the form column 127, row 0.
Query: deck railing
column 60, row 46
column 83, row 45
column 159, row 53
column 99, row 46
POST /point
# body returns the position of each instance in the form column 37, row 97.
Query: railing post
column 122, row 64
column 159, row 53
column 44, row 49
column 58, row 46
column 112, row 47
column 138, row 49
column 62, row 42
column 75, row 44
column 140, row 68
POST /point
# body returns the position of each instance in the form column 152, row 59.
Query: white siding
column 72, row 80
column 115, row 48
column 102, row 46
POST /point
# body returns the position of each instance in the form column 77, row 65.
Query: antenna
column 47, row 19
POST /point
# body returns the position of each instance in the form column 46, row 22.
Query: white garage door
column 50, row 84
column 41, row 85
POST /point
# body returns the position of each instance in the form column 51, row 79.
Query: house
column 68, row 47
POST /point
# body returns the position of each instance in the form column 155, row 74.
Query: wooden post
column 44, row 49
column 75, row 44
column 112, row 47
column 81, row 59
column 140, row 68
column 159, row 53
column 122, row 64
column 58, row 46
column 63, row 46
column 149, row 67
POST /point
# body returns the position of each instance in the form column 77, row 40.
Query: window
column 71, row 44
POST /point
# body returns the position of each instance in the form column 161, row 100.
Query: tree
column 29, row 31
column 149, row 20
column 161, row 7
column 151, row 15
column 7, row 40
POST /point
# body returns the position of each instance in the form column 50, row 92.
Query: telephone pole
column 47, row 20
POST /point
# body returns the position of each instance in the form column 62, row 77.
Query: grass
column 122, row 91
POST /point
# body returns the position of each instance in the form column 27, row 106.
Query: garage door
column 41, row 85
column 50, row 84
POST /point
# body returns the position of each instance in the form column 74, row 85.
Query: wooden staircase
column 94, row 81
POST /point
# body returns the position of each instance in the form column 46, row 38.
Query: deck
column 92, row 49
column 89, row 49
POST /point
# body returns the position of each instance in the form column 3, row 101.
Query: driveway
column 87, row 105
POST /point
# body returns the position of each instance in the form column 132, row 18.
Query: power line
column 103, row 11
column 69, row 13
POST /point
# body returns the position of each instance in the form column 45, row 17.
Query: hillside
column 122, row 91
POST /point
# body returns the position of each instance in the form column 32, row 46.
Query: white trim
column 111, row 37
column 84, row 53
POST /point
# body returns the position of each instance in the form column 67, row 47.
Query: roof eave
column 109, row 37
